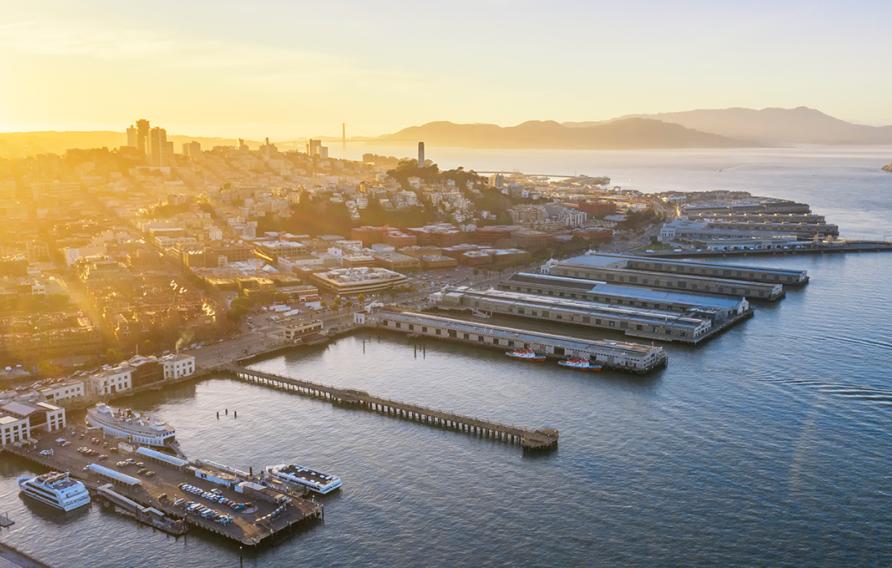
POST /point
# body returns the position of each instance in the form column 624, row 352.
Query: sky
column 291, row 69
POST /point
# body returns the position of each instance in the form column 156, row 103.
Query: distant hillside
column 628, row 133
column 23, row 144
column 800, row 125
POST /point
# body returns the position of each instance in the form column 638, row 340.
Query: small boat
column 580, row 365
column 526, row 355
column 480, row 314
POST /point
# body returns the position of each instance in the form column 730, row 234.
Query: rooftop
column 619, row 290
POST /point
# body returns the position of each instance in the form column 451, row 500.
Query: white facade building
column 69, row 390
column 13, row 429
column 18, row 417
column 110, row 381
column 178, row 366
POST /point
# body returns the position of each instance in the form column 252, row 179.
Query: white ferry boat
column 56, row 490
column 133, row 426
column 291, row 474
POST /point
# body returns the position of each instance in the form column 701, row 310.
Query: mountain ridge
column 772, row 125
column 626, row 133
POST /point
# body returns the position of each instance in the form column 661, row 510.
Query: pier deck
column 160, row 490
column 541, row 439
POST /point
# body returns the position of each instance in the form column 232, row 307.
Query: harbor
column 157, row 498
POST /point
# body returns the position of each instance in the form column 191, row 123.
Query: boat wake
column 882, row 397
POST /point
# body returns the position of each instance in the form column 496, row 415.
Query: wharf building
column 705, row 229
column 785, row 218
column 64, row 391
column 617, row 269
column 19, row 417
column 716, row 308
column 755, row 205
column 619, row 355
column 783, row 276
column 139, row 372
column 635, row 322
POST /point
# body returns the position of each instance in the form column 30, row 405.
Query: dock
column 152, row 499
column 528, row 439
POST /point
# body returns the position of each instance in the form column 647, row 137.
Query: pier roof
column 578, row 343
column 620, row 290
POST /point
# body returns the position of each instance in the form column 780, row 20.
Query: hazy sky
column 288, row 69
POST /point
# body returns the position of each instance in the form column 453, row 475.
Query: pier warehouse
column 716, row 308
column 637, row 322
column 698, row 277
column 621, row 355
column 714, row 270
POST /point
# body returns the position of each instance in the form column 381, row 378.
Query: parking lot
column 252, row 517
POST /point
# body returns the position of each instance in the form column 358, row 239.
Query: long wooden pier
column 541, row 439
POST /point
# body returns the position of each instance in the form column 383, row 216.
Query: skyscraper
column 142, row 136
column 192, row 150
column 158, row 147
column 132, row 135
column 421, row 154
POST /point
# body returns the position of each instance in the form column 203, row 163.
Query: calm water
column 769, row 445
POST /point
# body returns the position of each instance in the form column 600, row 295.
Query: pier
column 541, row 439
column 152, row 500
column 617, row 355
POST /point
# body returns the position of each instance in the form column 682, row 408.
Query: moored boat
column 580, row 365
column 56, row 490
column 133, row 426
column 526, row 355
column 303, row 477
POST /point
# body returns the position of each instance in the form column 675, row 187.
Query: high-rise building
column 142, row 136
column 132, row 136
column 421, row 154
column 192, row 149
column 159, row 148
column 316, row 149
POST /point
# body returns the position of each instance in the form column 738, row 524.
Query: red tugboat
column 580, row 365
column 526, row 355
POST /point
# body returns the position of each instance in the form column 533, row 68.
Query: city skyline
column 296, row 72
